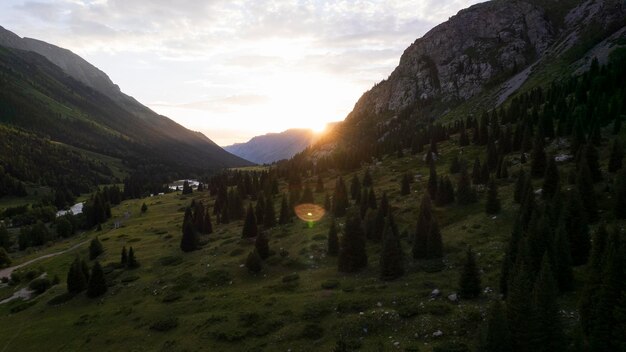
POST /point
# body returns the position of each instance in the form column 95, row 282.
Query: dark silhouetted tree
column 352, row 253
column 261, row 244
column 254, row 263
column 616, row 157
column 405, row 185
column 550, row 180
column 493, row 202
column 97, row 285
column 189, row 241
column 76, row 279
column 285, row 213
column 250, row 228
column 132, row 262
column 333, row 239
column 420, row 237
column 496, row 336
column 469, row 282
column 95, row 249
column 392, row 256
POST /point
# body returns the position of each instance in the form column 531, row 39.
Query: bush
column 165, row 324
column 40, row 286
column 312, row 331
column 22, row 306
column 60, row 299
column 330, row 284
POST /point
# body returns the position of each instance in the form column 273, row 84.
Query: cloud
column 223, row 104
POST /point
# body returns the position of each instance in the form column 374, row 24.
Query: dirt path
column 7, row 271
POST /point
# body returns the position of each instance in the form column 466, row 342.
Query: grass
column 206, row 300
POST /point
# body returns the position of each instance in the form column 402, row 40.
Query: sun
column 318, row 127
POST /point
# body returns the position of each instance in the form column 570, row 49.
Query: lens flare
column 310, row 213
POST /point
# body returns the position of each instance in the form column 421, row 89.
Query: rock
column 435, row 293
column 438, row 333
column 453, row 297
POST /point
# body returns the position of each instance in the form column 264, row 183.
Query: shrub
column 60, row 299
column 165, row 324
column 330, row 284
column 40, row 285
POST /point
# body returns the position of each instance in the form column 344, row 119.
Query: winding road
column 7, row 271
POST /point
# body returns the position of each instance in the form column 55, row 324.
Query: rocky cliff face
column 481, row 47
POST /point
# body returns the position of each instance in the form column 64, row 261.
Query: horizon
column 236, row 71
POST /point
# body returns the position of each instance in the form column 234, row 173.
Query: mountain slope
column 273, row 146
column 99, row 113
column 479, row 58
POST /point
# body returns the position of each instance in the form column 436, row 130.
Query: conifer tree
column 424, row 219
column 591, row 157
column 562, row 259
column 97, row 285
column 574, row 220
column 259, row 208
column 619, row 207
column 584, row 184
column 469, row 282
column 405, row 185
column 333, row 239
column 261, row 244
column 5, row 241
column 307, row 195
column 85, row 268
column 547, row 331
column 327, row 203
column 496, row 336
column 493, row 202
column 285, row 214
column 616, row 157
column 144, row 208
column 464, row 193
column 355, row 187
column 5, row 260
column 352, row 254
column 519, row 303
column 76, row 279
column 124, row 257
column 551, row 180
column 250, row 228
column 189, row 241
column 367, row 179
column 432, row 182
column 384, row 204
column 269, row 218
column 392, row 256
column 477, row 176
column 207, row 227
column 95, row 248
column 371, row 199
column 538, row 158
column 186, row 188
column 319, row 185
column 254, row 263
column 434, row 244
column 340, row 198
column 132, row 262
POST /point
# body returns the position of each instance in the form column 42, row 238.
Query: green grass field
column 206, row 300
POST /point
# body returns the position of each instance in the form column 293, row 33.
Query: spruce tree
column 5, row 260
column 352, row 253
column 384, row 204
column 371, row 199
column 124, row 257
column 254, row 263
column 333, row 239
column 592, row 159
column 477, row 178
column 285, row 214
column 519, row 303
column 574, row 220
column 551, row 180
column 493, row 202
column 367, row 179
column 207, row 227
column 307, row 196
column 424, row 219
column 538, row 158
column 355, row 187
column 496, row 336
column 259, row 208
column 250, row 228
column 392, row 256
column 76, row 279
column 562, row 259
column 465, row 193
column 340, row 198
column 189, row 241
column 97, row 285
column 132, row 262
column 95, row 249
column 261, row 244
column 584, row 184
column 434, row 243
column 519, row 187
column 405, row 185
column 547, row 331
column 269, row 218
column 432, row 182
column 616, row 157
column 144, row 208
column 5, row 241
column 469, row 282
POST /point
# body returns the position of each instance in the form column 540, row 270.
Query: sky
column 236, row 69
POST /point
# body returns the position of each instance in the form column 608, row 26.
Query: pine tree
column 424, row 219
column 76, row 280
column 250, row 228
column 591, row 157
column 95, row 249
column 285, row 214
column 405, row 185
column 333, row 240
column 584, row 184
column 392, row 256
column 477, row 176
column 371, row 199
column 97, row 285
column 562, row 259
column 519, row 303
column 340, row 198
column 124, row 257
column 574, row 220
column 189, row 241
column 493, row 202
column 269, row 218
column 5, row 260
column 434, row 244
column 261, row 244
column 617, row 155
column 186, row 188
column 352, row 253
column 367, row 179
column 207, row 227
column 259, row 208
column 551, row 180
column 469, row 282
column 144, row 208
column 547, row 331
column 85, row 269
column 384, row 204
column 254, row 263
column 496, row 337
column 519, row 186
column 5, row 241
column 355, row 187
column 132, row 262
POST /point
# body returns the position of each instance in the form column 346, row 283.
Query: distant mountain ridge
column 103, row 111
column 272, row 147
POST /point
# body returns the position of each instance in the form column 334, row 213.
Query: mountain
column 55, row 93
column 481, row 57
column 272, row 147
